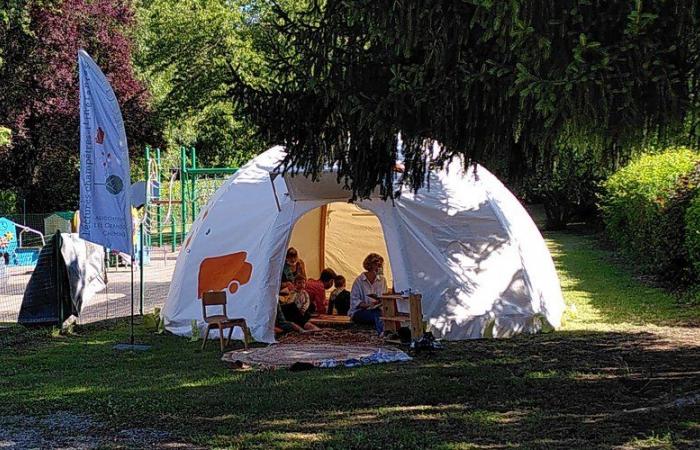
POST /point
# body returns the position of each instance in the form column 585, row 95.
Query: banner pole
column 59, row 292
column 141, row 258
column 104, row 275
column 102, row 134
column 131, row 336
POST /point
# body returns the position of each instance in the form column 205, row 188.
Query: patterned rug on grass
column 315, row 354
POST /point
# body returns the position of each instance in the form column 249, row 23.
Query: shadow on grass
column 565, row 390
column 604, row 292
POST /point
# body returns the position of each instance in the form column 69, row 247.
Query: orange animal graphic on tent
column 221, row 272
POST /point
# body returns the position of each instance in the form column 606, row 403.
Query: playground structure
column 59, row 221
column 170, row 202
column 12, row 250
column 175, row 197
column 161, row 220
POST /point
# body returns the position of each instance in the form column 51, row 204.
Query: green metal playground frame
column 189, row 173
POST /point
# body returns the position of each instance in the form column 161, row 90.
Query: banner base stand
column 132, row 347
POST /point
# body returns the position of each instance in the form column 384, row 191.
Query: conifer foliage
column 500, row 82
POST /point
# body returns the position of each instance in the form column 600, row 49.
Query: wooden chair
column 221, row 321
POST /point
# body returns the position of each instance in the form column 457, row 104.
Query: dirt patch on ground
column 673, row 337
column 346, row 335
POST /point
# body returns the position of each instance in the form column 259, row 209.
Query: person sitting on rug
column 340, row 297
column 282, row 325
column 317, row 291
column 293, row 266
column 365, row 292
column 296, row 308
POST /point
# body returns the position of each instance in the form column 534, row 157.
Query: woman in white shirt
column 365, row 292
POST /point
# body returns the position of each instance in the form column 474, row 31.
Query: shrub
column 692, row 234
column 568, row 188
column 674, row 263
column 8, row 202
column 635, row 201
column 5, row 136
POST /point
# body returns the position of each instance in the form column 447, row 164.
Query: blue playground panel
column 27, row 256
column 8, row 246
column 17, row 256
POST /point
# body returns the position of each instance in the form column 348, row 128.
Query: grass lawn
column 612, row 378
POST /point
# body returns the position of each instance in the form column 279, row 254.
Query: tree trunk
column 556, row 215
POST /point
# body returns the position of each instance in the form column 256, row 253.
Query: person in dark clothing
column 293, row 266
column 340, row 297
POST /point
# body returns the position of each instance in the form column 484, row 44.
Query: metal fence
column 19, row 254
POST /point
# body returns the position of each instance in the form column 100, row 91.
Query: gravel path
column 66, row 430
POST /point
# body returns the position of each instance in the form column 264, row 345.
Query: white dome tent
column 465, row 243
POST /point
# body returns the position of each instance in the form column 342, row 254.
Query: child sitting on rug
column 296, row 308
column 340, row 297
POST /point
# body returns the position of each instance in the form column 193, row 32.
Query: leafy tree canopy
column 500, row 82
column 39, row 42
column 5, row 136
column 189, row 51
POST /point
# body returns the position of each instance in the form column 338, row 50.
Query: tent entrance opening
column 339, row 236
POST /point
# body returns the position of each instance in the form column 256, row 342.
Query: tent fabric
column 46, row 299
column 347, row 226
column 69, row 272
column 85, row 264
column 465, row 243
column 306, row 239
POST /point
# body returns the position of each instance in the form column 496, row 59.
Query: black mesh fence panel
column 18, row 263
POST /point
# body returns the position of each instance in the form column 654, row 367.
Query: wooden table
column 393, row 318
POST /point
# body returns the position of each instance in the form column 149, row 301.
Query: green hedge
column 636, row 203
column 692, row 235
column 674, row 262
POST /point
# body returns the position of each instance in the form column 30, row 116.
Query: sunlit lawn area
column 624, row 347
column 606, row 296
